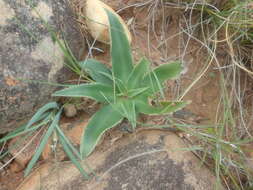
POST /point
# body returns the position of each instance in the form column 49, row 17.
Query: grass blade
column 67, row 141
column 43, row 143
column 70, row 154
column 40, row 112
column 17, row 133
column 21, row 130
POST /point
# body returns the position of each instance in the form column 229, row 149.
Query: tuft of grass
column 219, row 27
column 229, row 29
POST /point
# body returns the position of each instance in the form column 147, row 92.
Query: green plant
column 47, row 117
column 123, row 90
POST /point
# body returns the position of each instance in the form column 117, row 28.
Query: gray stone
column 155, row 160
column 28, row 52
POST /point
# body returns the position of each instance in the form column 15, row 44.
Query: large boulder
column 149, row 159
column 27, row 51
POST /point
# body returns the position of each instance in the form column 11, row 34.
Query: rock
column 27, row 51
column 70, row 110
column 37, row 175
column 146, row 160
column 97, row 21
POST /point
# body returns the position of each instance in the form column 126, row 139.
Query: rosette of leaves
column 124, row 90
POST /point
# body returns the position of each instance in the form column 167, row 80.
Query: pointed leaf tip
column 104, row 119
column 121, row 55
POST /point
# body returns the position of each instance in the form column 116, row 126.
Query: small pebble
column 70, row 110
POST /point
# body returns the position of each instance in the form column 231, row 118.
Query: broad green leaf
column 164, row 108
column 97, row 91
column 37, row 116
column 72, row 157
column 104, row 119
column 137, row 92
column 168, row 71
column 159, row 75
column 138, row 74
column 97, row 71
column 43, row 143
column 127, row 107
column 121, row 55
column 109, row 76
column 120, row 85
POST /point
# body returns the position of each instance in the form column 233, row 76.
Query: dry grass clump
column 224, row 30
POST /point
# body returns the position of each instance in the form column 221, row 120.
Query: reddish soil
column 204, row 95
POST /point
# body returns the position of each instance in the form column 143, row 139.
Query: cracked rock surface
column 27, row 52
column 155, row 160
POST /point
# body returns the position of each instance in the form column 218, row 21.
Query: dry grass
column 223, row 30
